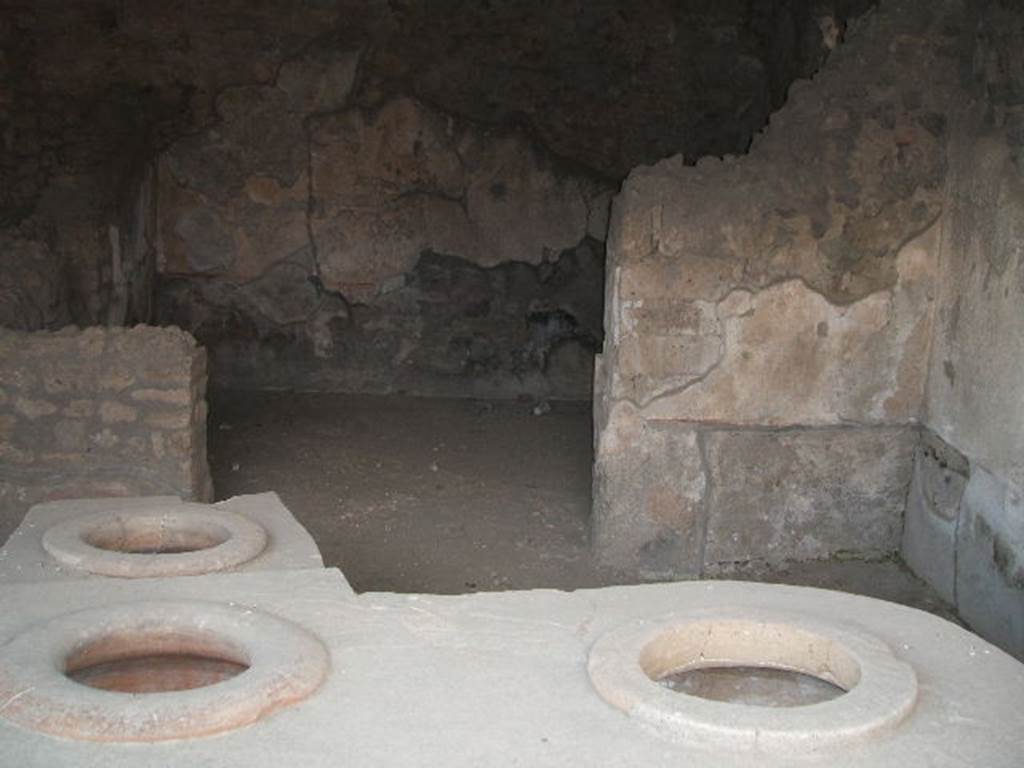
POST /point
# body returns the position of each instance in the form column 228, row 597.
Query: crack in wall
column 666, row 392
column 706, row 505
column 314, row 249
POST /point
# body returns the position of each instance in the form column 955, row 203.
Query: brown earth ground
column 431, row 495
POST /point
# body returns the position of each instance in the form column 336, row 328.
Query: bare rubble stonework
column 770, row 316
column 100, row 412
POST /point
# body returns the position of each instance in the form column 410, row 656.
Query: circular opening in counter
column 145, row 535
column 649, row 669
column 741, row 662
column 151, row 662
column 202, row 668
column 179, row 540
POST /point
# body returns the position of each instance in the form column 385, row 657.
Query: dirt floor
column 429, row 495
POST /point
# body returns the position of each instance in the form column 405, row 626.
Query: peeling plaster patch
column 326, row 202
column 776, row 368
column 406, row 180
column 790, row 356
column 207, row 244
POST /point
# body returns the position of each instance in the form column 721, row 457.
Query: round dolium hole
column 140, row 535
column 154, row 663
column 749, row 662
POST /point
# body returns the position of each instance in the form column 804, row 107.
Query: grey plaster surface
column 990, row 561
column 932, row 517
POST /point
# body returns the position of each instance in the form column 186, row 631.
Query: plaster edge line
column 704, row 522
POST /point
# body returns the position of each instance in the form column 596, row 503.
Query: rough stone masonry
column 100, row 412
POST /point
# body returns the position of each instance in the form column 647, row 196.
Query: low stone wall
column 100, row 412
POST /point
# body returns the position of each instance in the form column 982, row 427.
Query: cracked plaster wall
column 88, row 92
column 304, row 220
column 769, row 319
column 964, row 528
column 315, row 244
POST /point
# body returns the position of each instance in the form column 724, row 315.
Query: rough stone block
column 116, row 413
column 169, row 419
column 69, row 435
column 648, row 514
column 79, row 409
column 166, row 396
column 806, row 494
column 34, row 409
column 933, row 512
column 990, row 560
